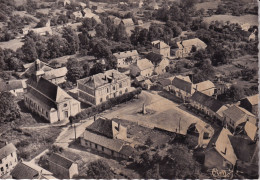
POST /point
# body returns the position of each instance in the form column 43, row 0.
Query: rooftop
column 101, row 79
column 12, row 85
column 236, row 113
column 126, row 54
column 207, row 101
column 191, row 42
column 182, row 84
column 6, row 150
column 60, row 160
column 144, row 64
column 160, row 44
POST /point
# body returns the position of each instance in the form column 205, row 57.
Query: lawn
column 251, row 19
column 207, row 5
column 12, row 44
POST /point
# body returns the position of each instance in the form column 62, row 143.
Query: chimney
column 118, row 127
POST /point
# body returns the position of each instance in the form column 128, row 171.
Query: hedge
column 93, row 110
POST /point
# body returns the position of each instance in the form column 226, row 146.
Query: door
column 66, row 114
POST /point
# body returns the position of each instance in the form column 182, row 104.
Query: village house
column 236, row 115
column 208, row 105
column 114, row 19
column 103, row 86
column 16, row 87
column 206, row 87
column 220, row 153
column 144, row 82
column 108, row 137
column 142, row 67
column 127, row 22
column 56, row 76
column 29, row 170
column 8, row 158
column 181, row 88
column 140, row 4
column 126, row 58
column 160, row 63
column 160, row 47
column 62, row 167
column 41, row 31
column 49, row 101
column 187, row 46
column 250, row 103
column 77, row 14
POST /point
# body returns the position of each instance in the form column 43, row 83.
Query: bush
column 93, row 110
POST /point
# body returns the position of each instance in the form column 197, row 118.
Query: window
column 107, row 97
column 12, row 154
column 102, row 148
column 120, row 92
column 2, row 169
column 107, row 90
column 120, row 85
column 126, row 90
column 101, row 99
column 46, row 114
column 65, row 105
column 112, row 152
column 96, row 146
column 6, row 166
column 114, row 87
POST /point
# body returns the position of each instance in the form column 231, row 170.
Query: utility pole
column 75, row 132
column 180, row 125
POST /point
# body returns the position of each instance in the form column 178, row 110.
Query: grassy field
column 207, row 5
column 251, row 19
column 12, row 44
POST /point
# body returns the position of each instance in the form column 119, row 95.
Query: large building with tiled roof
column 62, row 167
column 8, row 158
column 108, row 137
column 103, row 86
column 126, row 58
column 41, row 69
column 185, row 47
column 50, row 102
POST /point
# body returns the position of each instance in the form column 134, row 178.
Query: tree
column 86, row 69
column 100, row 50
column 219, row 57
column 8, row 108
column 101, row 30
column 29, row 50
column 120, row 33
column 97, row 68
column 75, row 71
column 41, row 23
column 236, row 92
column 111, row 62
column 72, row 40
column 99, row 170
column 148, row 141
column 57, row 46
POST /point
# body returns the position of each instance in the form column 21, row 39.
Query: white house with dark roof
column 29, row 170
column 103, row 86
column 62, row 167
column 160, row 47
column 8, row 158
column 108, row 137
column 50, row 101
column 185, row 47
column 126, row 58
column 142, row 67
